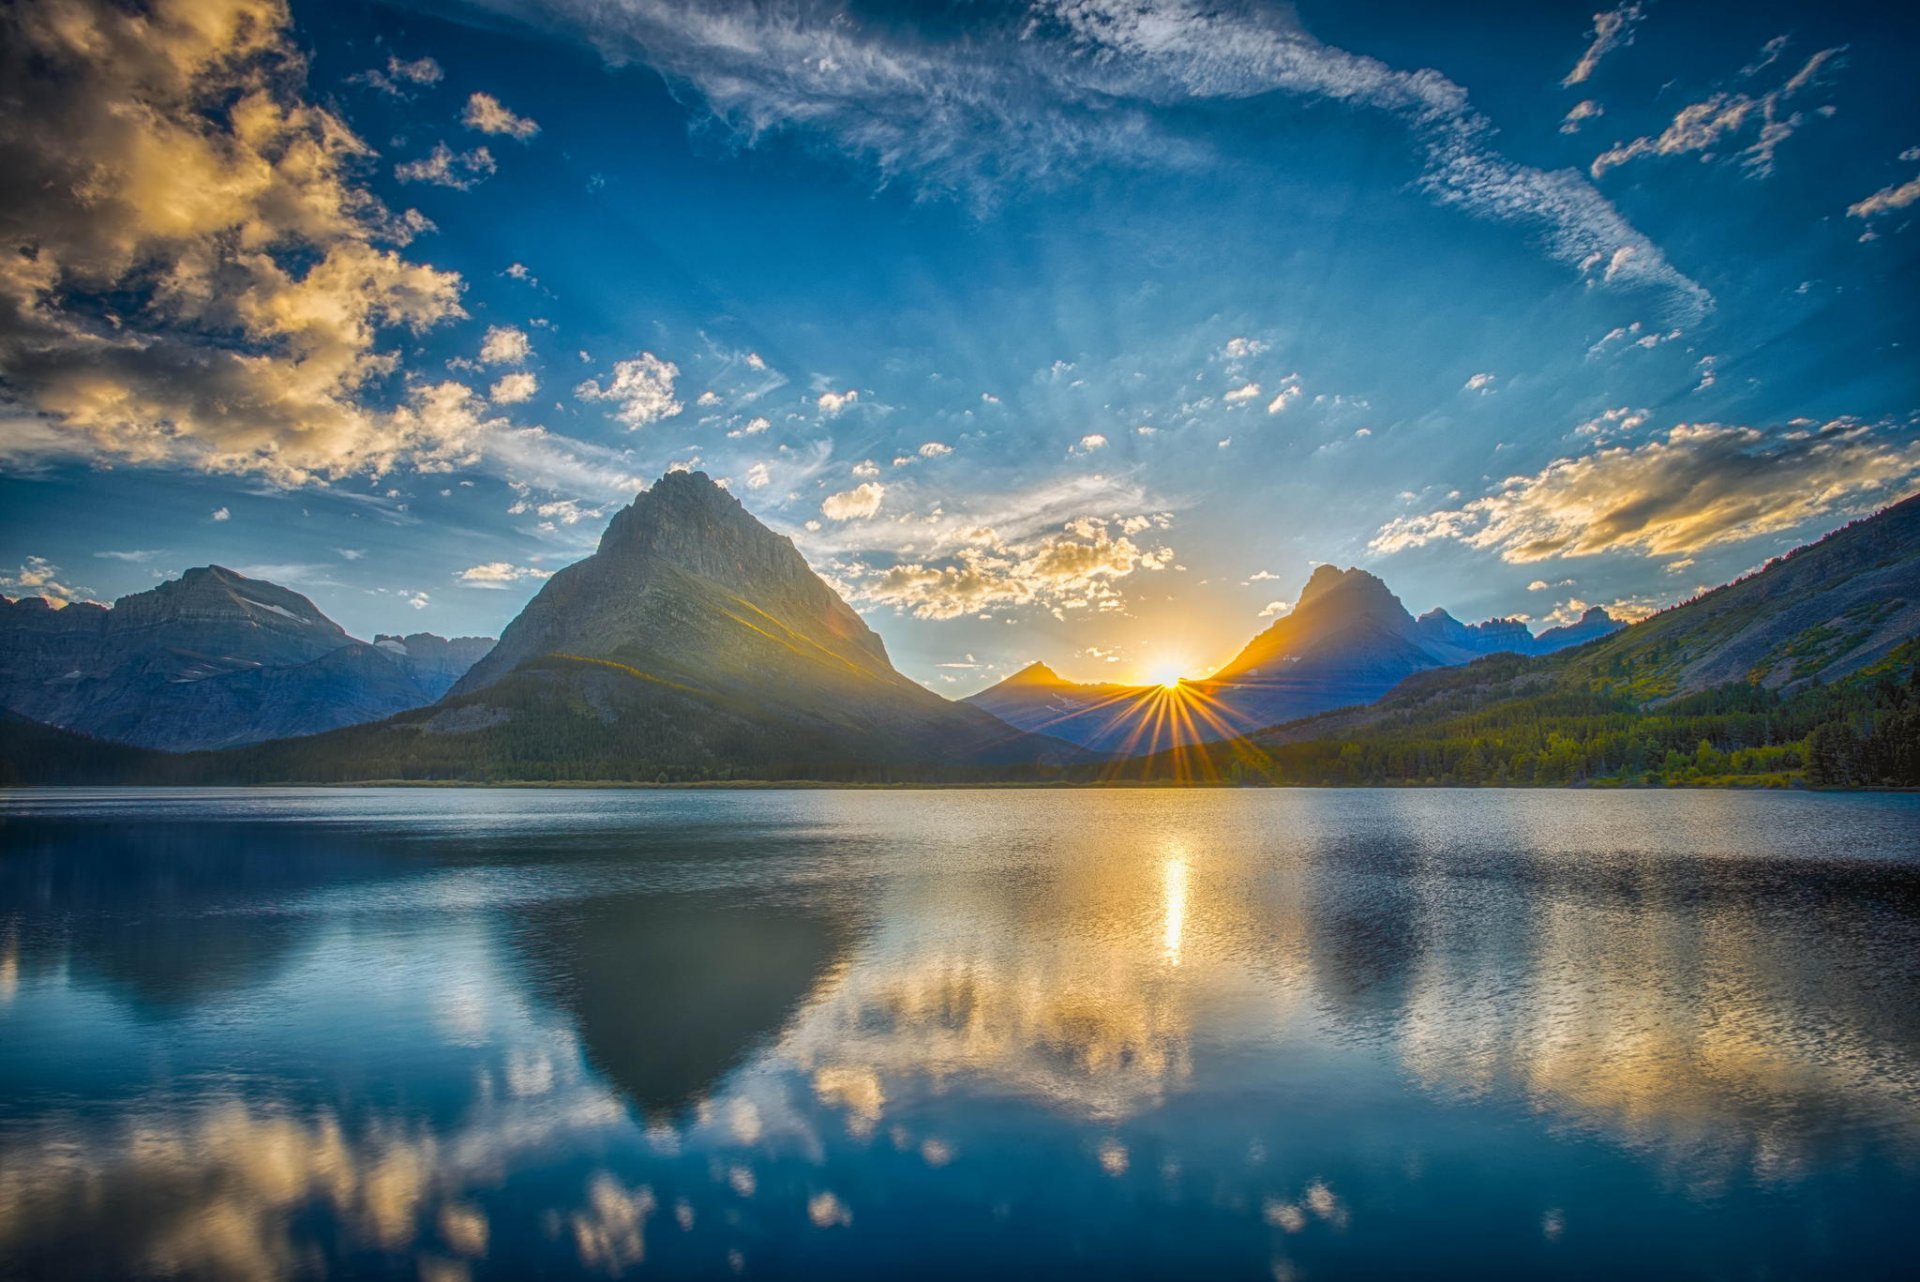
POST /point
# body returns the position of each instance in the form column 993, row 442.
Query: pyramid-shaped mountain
column 1347, row 641
column 694, row 644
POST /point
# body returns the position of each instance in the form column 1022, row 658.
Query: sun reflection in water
column 1176, row 901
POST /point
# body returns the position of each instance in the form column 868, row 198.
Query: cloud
column 857, row 504
column 1274, row 609
column 642, row 388
column 418, row 600
column 1073, row 569
column 1481, row 383
column 1587, row 109
column 1239, row 349
column 935, row 449
column 753, row 427
column 485, row 114
column 1611, row 30
column 1040, row 96
column 208, row 284
column 504, row 345
column 832, row 404
column 399, row 74
column 38, row 577
column 1090, row 442
column 500, row 574
column 1705, row 126
column 222, row 514
column 1886, row 199
column 138, row 556
column 1699, row 485
column 1288, row 394
column 444, row 167
column 1632, row 335
column 513, row 389
column 758, row 477
column 1242, row 394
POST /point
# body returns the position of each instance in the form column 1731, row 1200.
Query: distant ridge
column 1348, row 640
column 211, row 659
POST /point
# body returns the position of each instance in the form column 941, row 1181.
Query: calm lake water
column 451, row 1034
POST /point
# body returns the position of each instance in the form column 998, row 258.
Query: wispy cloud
column 1716, row 122
column 1069, row 83
column 1886, row 200
column 1611, row 30
column 400, row 73
column 485, row 113
column 445, row 167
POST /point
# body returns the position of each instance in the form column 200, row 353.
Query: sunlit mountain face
column 808, row 1033
column 1074, row 332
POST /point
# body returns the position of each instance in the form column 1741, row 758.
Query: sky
column 1077, row 331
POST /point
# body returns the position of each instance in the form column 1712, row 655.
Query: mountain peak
column 1035, row 673
column 685, row 537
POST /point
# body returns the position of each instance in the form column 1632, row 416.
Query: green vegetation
column 1510, row 721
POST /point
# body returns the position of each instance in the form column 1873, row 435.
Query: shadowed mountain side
column 695, row 644
column 670, row 993
column 154, row 912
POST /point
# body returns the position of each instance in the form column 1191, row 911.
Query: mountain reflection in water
column 472, row 1034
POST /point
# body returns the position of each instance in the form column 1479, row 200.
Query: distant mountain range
column 696, row 644
column 1809, row 668
column 212, row 659
column 1348, row 640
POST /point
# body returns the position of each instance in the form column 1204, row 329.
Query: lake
column 453, row 1034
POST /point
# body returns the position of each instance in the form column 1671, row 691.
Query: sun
column 1167, row 675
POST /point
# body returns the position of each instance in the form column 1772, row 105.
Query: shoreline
column 820, row 785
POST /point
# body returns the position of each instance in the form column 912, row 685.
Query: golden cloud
column 195, row 277
column 1701, row 485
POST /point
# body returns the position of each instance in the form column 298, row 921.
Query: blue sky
column 1075, row 331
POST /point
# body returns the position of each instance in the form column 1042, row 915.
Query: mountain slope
column 1347, row 641
column 211, row 659
column 695, row 643
column 1808, row 669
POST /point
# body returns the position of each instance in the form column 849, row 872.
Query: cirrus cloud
column 1045, row 93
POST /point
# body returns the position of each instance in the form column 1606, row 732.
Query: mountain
column 1347, row 641
column 1806, row 670
column 1101, row 716
column 211, row 659
column 695, row 643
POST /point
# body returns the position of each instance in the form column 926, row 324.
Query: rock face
column 680, row 568
column 211, row 659
column 1347, row 641
column 695, row 643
